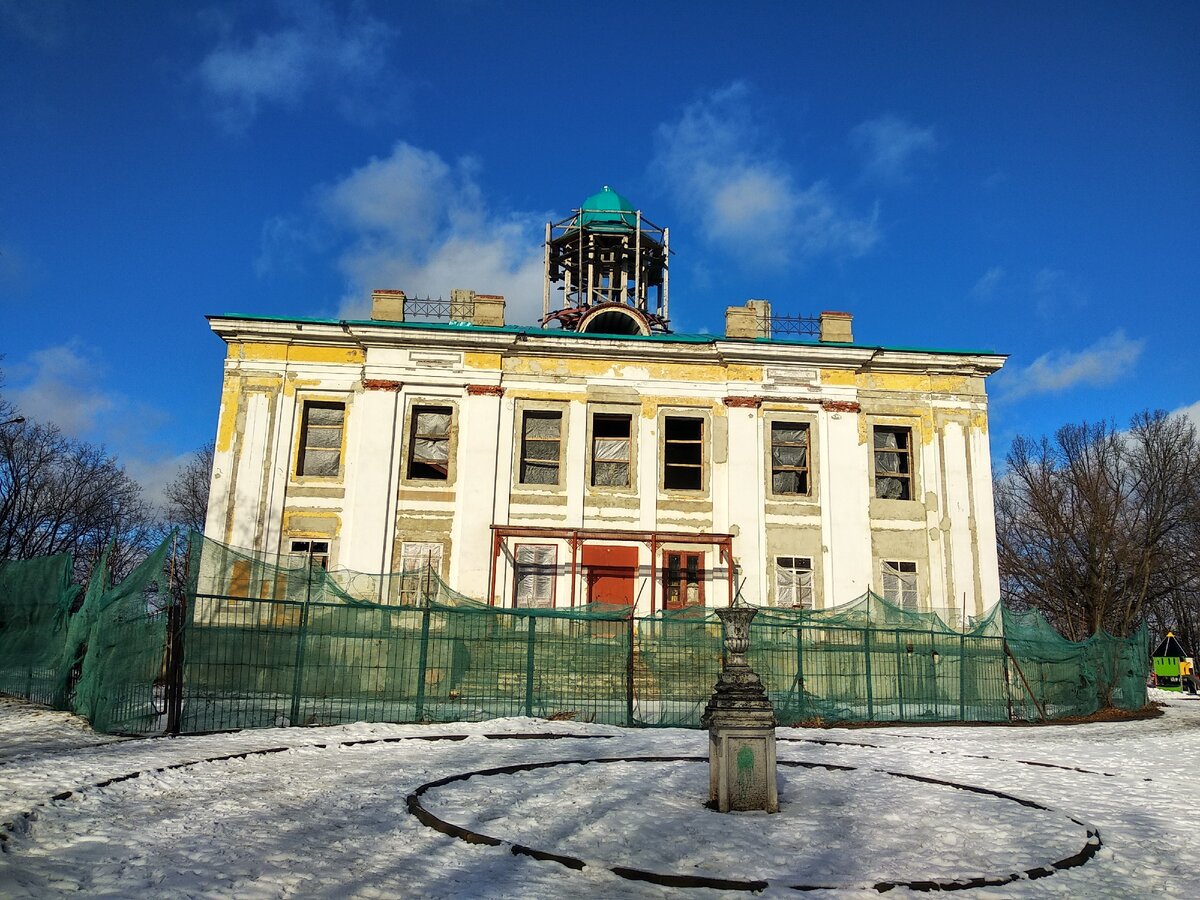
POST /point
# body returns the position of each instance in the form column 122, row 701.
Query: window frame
column 312, row 550
column 414, row 591
column 549, row 571
column 694, row 577
column 792, row 565
column 524, row 413
column 430, row 405
column 906, row 478
column 307, row 404
column 794, row 423
column 900, row 569
column 701, row 467
column 609, row 414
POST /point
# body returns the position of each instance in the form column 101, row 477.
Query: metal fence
column 257, row 663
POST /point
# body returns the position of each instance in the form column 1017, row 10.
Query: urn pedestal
column 741, row 727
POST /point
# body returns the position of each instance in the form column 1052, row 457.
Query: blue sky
column 1018, row 177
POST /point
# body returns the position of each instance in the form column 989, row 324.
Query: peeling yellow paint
column 559, row 396
column 491, row 362
column 227, row 423
column 312, row 522
column 607, row 368
column 298, row 353
column 837, row 377
column 924, row 384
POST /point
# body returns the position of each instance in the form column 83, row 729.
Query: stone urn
column 741, row 727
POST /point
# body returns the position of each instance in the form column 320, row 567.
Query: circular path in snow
column 644, row 818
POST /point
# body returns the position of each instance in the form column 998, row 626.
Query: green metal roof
column 534, row 331
column 607, row 210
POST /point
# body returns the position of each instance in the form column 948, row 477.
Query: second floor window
column 429, row 443
column 611, row 450
column 893, row 463
column 683, row 453
column 321, row 439
column 789, row 458
column 541, row 447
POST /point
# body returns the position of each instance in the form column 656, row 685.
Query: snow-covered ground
column 328, row 814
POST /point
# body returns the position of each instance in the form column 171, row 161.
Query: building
column 599, row 457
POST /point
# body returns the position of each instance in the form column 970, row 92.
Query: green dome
column 607, row 210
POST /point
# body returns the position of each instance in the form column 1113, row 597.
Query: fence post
column 800, row 703
column 529, row 645
column 176, row 619
column 870, row 690
column 301, row 637
column 900, row 674
column 629, row 672
column 962, row 678
column 422, row 661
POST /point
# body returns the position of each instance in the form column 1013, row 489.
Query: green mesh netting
column 272, row 640
column 35, row 605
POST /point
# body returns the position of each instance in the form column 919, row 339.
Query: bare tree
column 61, row 495
column 1095, row 528
column 187, row 494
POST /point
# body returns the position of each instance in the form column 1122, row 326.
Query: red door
column 611, row 572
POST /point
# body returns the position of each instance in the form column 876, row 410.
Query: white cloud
column 1191, row 411
column 56, row 385
column 746, row 197
column 312, row 48
column 891, row 148
column 985, row 287
column 416, row 222
column 1105, row 362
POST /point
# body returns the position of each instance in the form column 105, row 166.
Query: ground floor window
column 794, row 582
column 421, row 567
column 900, row 583
column 535, row 568
column 315, row 552
column 683, row 579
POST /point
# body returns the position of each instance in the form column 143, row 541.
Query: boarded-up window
column 789, row 458
column 429, row 443
column 535, row 567
column 893, row 463
column 900, row 583
column 541, row 447
column 321, row 438
column 421, row 565
column 683, row 453
column 611, row 450
column 794, row 581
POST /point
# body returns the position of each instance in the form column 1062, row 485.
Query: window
column 900, row 584
column 535, row 565
column 893, row 463
column 789, row 458
column 429, row 443
column 421, row 566
column 683, row 580
column 794, row 582
column 321, row 438
column 611, row 450
column 683, row 453
column 316, row 552
column 541, row 447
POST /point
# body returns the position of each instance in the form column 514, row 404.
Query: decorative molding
column 744, row 402
column 485, row 390
column 382, row 384
column 841, row 406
